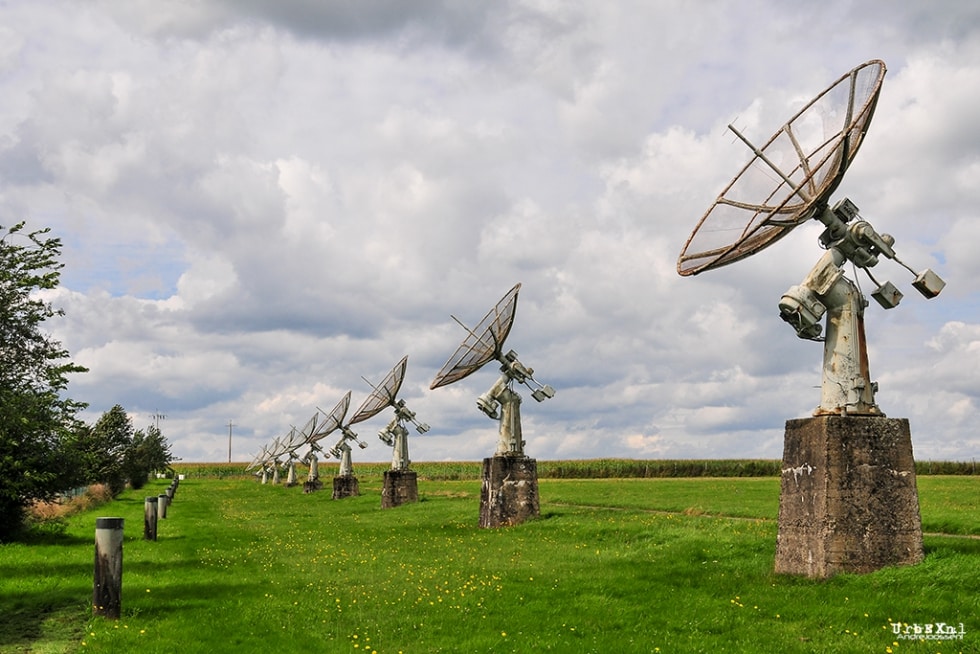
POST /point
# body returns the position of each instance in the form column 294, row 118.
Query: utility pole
column 157, row 417
column 230, row 425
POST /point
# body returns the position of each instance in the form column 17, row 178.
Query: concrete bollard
column 162, row 503
column 107, row 586
column 150, row 518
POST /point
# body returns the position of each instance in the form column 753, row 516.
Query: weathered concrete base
column 312, row 486
column 400, row 487
column 345, row 486
column 509, row 495
column 848, row 500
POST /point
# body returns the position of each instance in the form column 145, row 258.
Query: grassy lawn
column 638, row 565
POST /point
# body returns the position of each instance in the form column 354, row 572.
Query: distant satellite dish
column 275, row 451
column 383, row 395
column 335, row 420
column 788, row 181
column 295, row 440
column 482, row 345
column 331, row 420
column 306, row 433
column 257, row 461
column 395, row 434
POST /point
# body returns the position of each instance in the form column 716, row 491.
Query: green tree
column 104, row 448
column 148, row 453
column 35, row 419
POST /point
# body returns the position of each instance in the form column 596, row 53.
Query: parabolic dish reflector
column 383, row 395
column 484, row 343
column 306, row 433
column 332, row 420
column 294, row 440
column 278, row 448
column 811, row 152
column 258, row 460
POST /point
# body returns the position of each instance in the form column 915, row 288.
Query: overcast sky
column 262, row 202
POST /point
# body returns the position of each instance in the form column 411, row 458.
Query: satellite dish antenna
column 258, row 464
column 266, row 463
column 295, row 440
column 316, row 429
column 482, row 345
column 395, row 434
column 280, row 448
column 807, row 159
column 335, row 420
column 306, row 435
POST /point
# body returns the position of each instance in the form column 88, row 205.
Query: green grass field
column 614, row 565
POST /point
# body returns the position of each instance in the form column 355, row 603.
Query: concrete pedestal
column 345, row 486
column 509, row 495
column 848, row 500
column 312, row 486
column 400, row 487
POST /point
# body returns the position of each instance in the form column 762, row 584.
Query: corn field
column 568, row 469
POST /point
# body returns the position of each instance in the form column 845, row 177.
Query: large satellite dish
column 395, row 434
column 807, row 157
column 483, row 344
column 788, row 181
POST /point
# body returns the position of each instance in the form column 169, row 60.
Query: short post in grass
column 509, row 491
column 848, row 500
column 163, row 501
column 107, row 586
column 150, row 518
